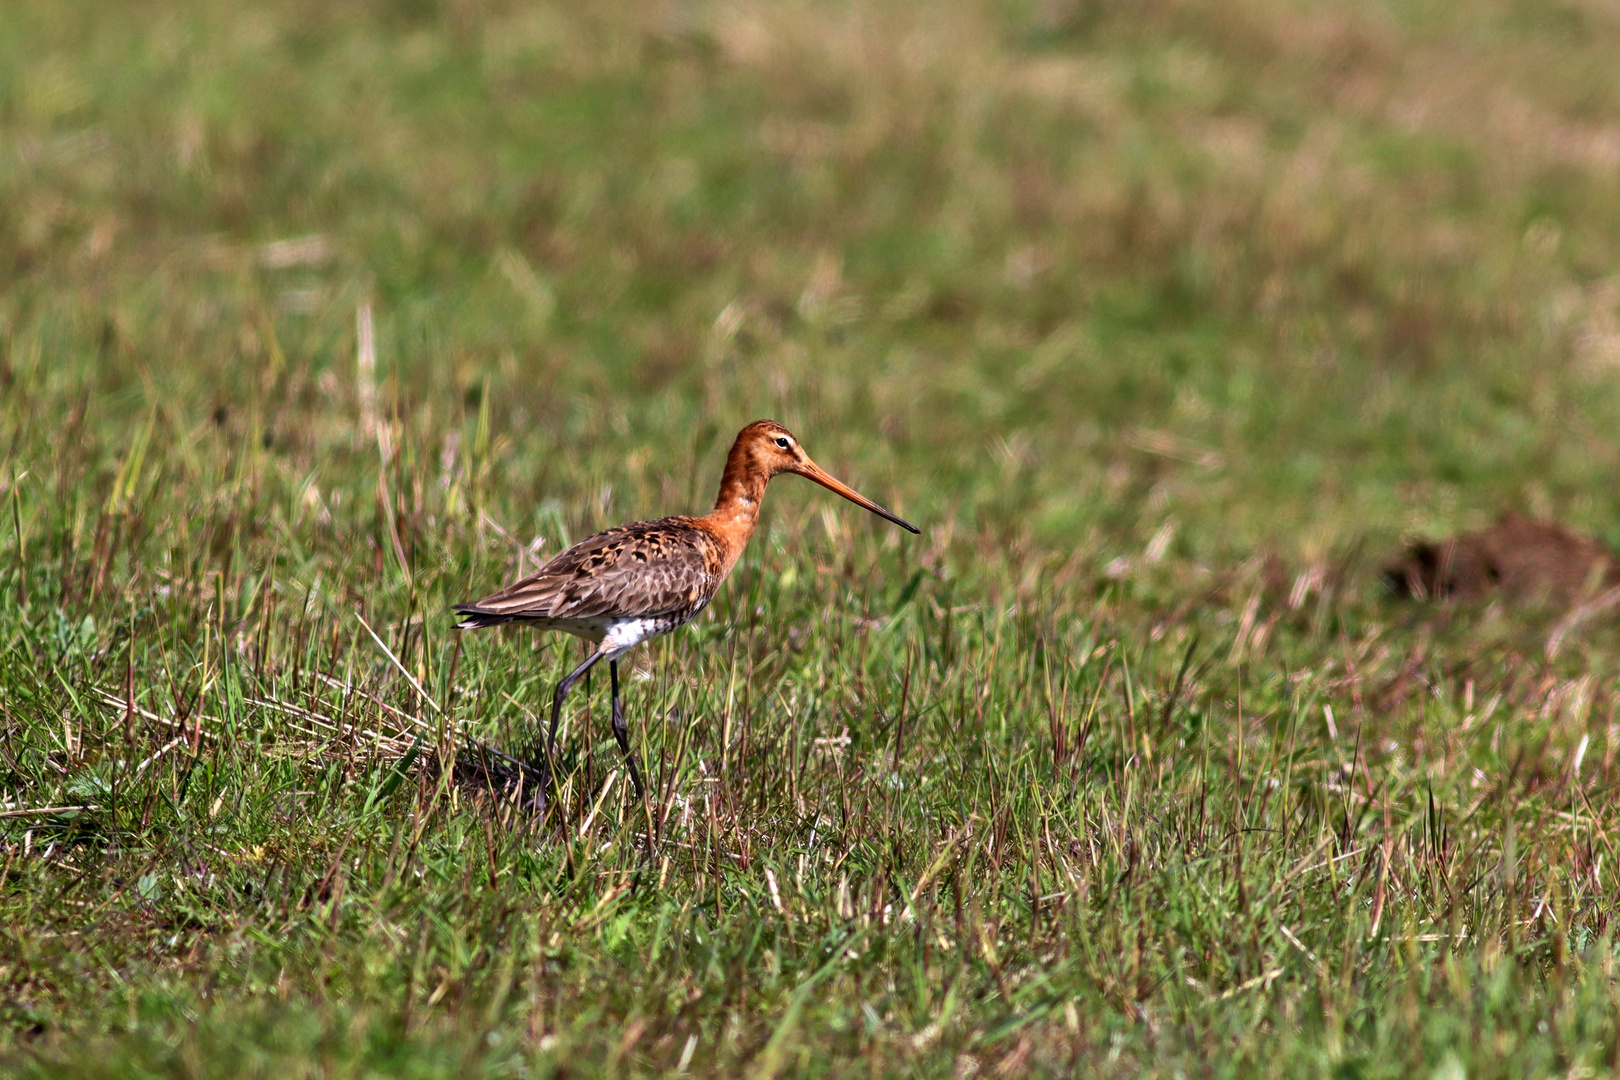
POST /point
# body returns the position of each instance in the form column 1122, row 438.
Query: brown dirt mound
column 1522, row 559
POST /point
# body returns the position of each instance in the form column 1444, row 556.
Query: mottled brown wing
column 650, row 568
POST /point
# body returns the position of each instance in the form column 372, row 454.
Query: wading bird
column 635, row 582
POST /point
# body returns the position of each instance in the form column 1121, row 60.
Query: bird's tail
column 474, row 617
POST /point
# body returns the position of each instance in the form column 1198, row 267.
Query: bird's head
column 769, row 449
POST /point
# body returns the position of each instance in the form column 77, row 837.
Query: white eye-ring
column 782, row 441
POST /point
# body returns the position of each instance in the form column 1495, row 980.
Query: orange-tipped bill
column 811, row 471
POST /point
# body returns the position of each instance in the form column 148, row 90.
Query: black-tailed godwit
column 635, row 582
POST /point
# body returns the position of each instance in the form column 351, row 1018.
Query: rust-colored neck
column 736, row 510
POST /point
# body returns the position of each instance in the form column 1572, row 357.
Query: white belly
column 624, row 634
column 615, row 636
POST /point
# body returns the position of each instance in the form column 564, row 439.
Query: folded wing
column 668, row 567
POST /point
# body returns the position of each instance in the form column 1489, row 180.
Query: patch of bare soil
column 1520, row 559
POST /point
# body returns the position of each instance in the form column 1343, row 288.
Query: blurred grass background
column 1166, row 321
column 1361, row 253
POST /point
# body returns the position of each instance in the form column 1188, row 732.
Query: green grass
column 1166, row 321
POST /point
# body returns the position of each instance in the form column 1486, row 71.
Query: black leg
column 563, row 687
column 622, row 732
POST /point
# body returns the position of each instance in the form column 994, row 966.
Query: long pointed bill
column 811, row 471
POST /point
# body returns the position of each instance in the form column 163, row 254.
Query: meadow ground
column 1166, row 321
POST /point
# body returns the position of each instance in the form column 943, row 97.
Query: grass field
column 1165, row 320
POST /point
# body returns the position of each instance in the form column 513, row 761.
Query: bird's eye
column 782, row 441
